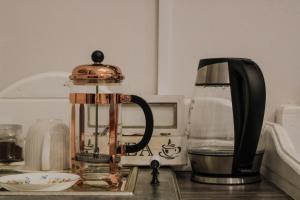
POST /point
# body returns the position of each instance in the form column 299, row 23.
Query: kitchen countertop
column 263, row 190
column 166, row 190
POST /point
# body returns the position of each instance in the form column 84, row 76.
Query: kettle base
column 225, row 180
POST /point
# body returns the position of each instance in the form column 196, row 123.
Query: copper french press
column 96, row 126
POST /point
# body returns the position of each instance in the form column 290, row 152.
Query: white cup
column 47, row 145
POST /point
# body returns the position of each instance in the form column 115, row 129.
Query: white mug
column 47, row 145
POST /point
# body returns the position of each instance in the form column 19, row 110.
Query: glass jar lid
column 96, row 73
column 10, row 130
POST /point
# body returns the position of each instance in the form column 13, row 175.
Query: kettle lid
column 96, row 73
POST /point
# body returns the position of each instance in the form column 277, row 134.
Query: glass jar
column 11, row 143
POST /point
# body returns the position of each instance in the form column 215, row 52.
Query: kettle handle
column 248, row 93
column 149, row 125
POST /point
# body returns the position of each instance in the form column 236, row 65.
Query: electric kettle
column 96, row 99
column 225, row 119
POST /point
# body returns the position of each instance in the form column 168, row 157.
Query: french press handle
column 149, row 125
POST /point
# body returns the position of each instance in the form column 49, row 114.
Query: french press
column 96, row 97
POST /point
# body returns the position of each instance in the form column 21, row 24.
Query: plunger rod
column 96, row 149
column 81, row 126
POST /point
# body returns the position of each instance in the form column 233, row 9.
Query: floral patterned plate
column 39, row 181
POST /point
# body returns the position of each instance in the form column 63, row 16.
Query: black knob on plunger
column 97, row 56
column 154, row 166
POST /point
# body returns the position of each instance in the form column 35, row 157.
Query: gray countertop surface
column 188, row 190
column 192, row 191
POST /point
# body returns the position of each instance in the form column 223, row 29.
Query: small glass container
column 11, row 143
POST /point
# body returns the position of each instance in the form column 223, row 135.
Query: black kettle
column 248, row 96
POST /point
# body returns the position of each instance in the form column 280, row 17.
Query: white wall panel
column 265, row 30
column 40, row 36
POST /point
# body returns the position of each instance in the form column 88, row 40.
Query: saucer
column 46, row 181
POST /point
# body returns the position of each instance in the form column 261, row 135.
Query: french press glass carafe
column 96, row 98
